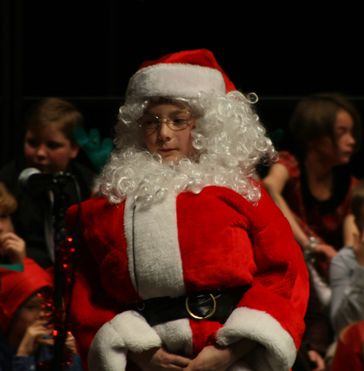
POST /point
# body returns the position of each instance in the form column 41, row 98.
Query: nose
column 41, row 151
column 164, row 132
column 350, row 140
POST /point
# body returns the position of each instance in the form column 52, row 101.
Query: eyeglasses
column 177, row 121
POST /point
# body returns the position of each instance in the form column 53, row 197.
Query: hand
column 37, row 333
column 214, row 358
column 70, row 343
column 325, row 249
column 13, row 247
column 158, row 359
column 316, row 358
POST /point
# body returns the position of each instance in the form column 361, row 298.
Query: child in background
column 23, row 297
column 12, row 247
column 25, row 321
column 49, row 147
column 347, row 268
column 312, row 185
column 346, row 280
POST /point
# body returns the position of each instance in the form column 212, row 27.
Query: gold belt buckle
column 209, row 314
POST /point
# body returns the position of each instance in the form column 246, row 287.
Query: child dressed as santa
column 185, row 262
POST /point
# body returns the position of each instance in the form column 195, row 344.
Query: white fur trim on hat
column 175, row 80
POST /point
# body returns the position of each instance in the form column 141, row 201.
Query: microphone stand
column 60, row 264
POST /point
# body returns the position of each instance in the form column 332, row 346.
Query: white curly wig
column 228, row 137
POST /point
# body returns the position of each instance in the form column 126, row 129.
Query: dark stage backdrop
column 85, row 51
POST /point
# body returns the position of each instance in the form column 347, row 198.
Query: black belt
column 214, row 305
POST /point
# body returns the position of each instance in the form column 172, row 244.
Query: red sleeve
column 280, row 287
column 89, row 310
column 290, row 162
column 272, row 311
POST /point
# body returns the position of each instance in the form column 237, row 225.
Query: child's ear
column 74, row 150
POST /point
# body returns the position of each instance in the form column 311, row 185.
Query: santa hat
column 183, row 74
column 17, row 287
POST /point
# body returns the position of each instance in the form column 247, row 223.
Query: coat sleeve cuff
column 277, row 350
column 127, row 331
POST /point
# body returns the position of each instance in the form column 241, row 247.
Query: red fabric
column 221, row 265
column 349, row 351
column 91, row 305
column 17, row 287
column 327, row 226
column 271, row 263
column 200, row 57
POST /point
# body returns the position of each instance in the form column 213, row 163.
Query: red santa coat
column 188, row 243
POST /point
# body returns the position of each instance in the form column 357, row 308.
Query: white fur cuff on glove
column 127, row 331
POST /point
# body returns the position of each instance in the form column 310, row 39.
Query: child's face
column 337, row 150
column 161, row 132
column 50, row 150
column 34, row 309
column 344, row 136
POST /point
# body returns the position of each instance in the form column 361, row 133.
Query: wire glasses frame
column 179, row 121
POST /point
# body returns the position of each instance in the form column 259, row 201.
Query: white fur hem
column 127, row 331
column 175, row 80
column 278, row 351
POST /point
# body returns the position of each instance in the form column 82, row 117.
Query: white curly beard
column 147, row 180
column 230, row 142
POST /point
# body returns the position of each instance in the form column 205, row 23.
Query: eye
column 149, row 122
column 33, row 306
column 179, row 122
column 32, row 142
column 54, row 145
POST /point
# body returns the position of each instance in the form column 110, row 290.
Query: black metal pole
column 60, row 235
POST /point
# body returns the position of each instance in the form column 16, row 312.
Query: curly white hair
column 229, row 138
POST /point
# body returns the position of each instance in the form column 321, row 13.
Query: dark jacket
column 34, row 206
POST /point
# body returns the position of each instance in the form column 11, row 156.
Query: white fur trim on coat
column 154, row 254
column 177, row 334
column 127, row 331
column 175, row 80
column 278, row 351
